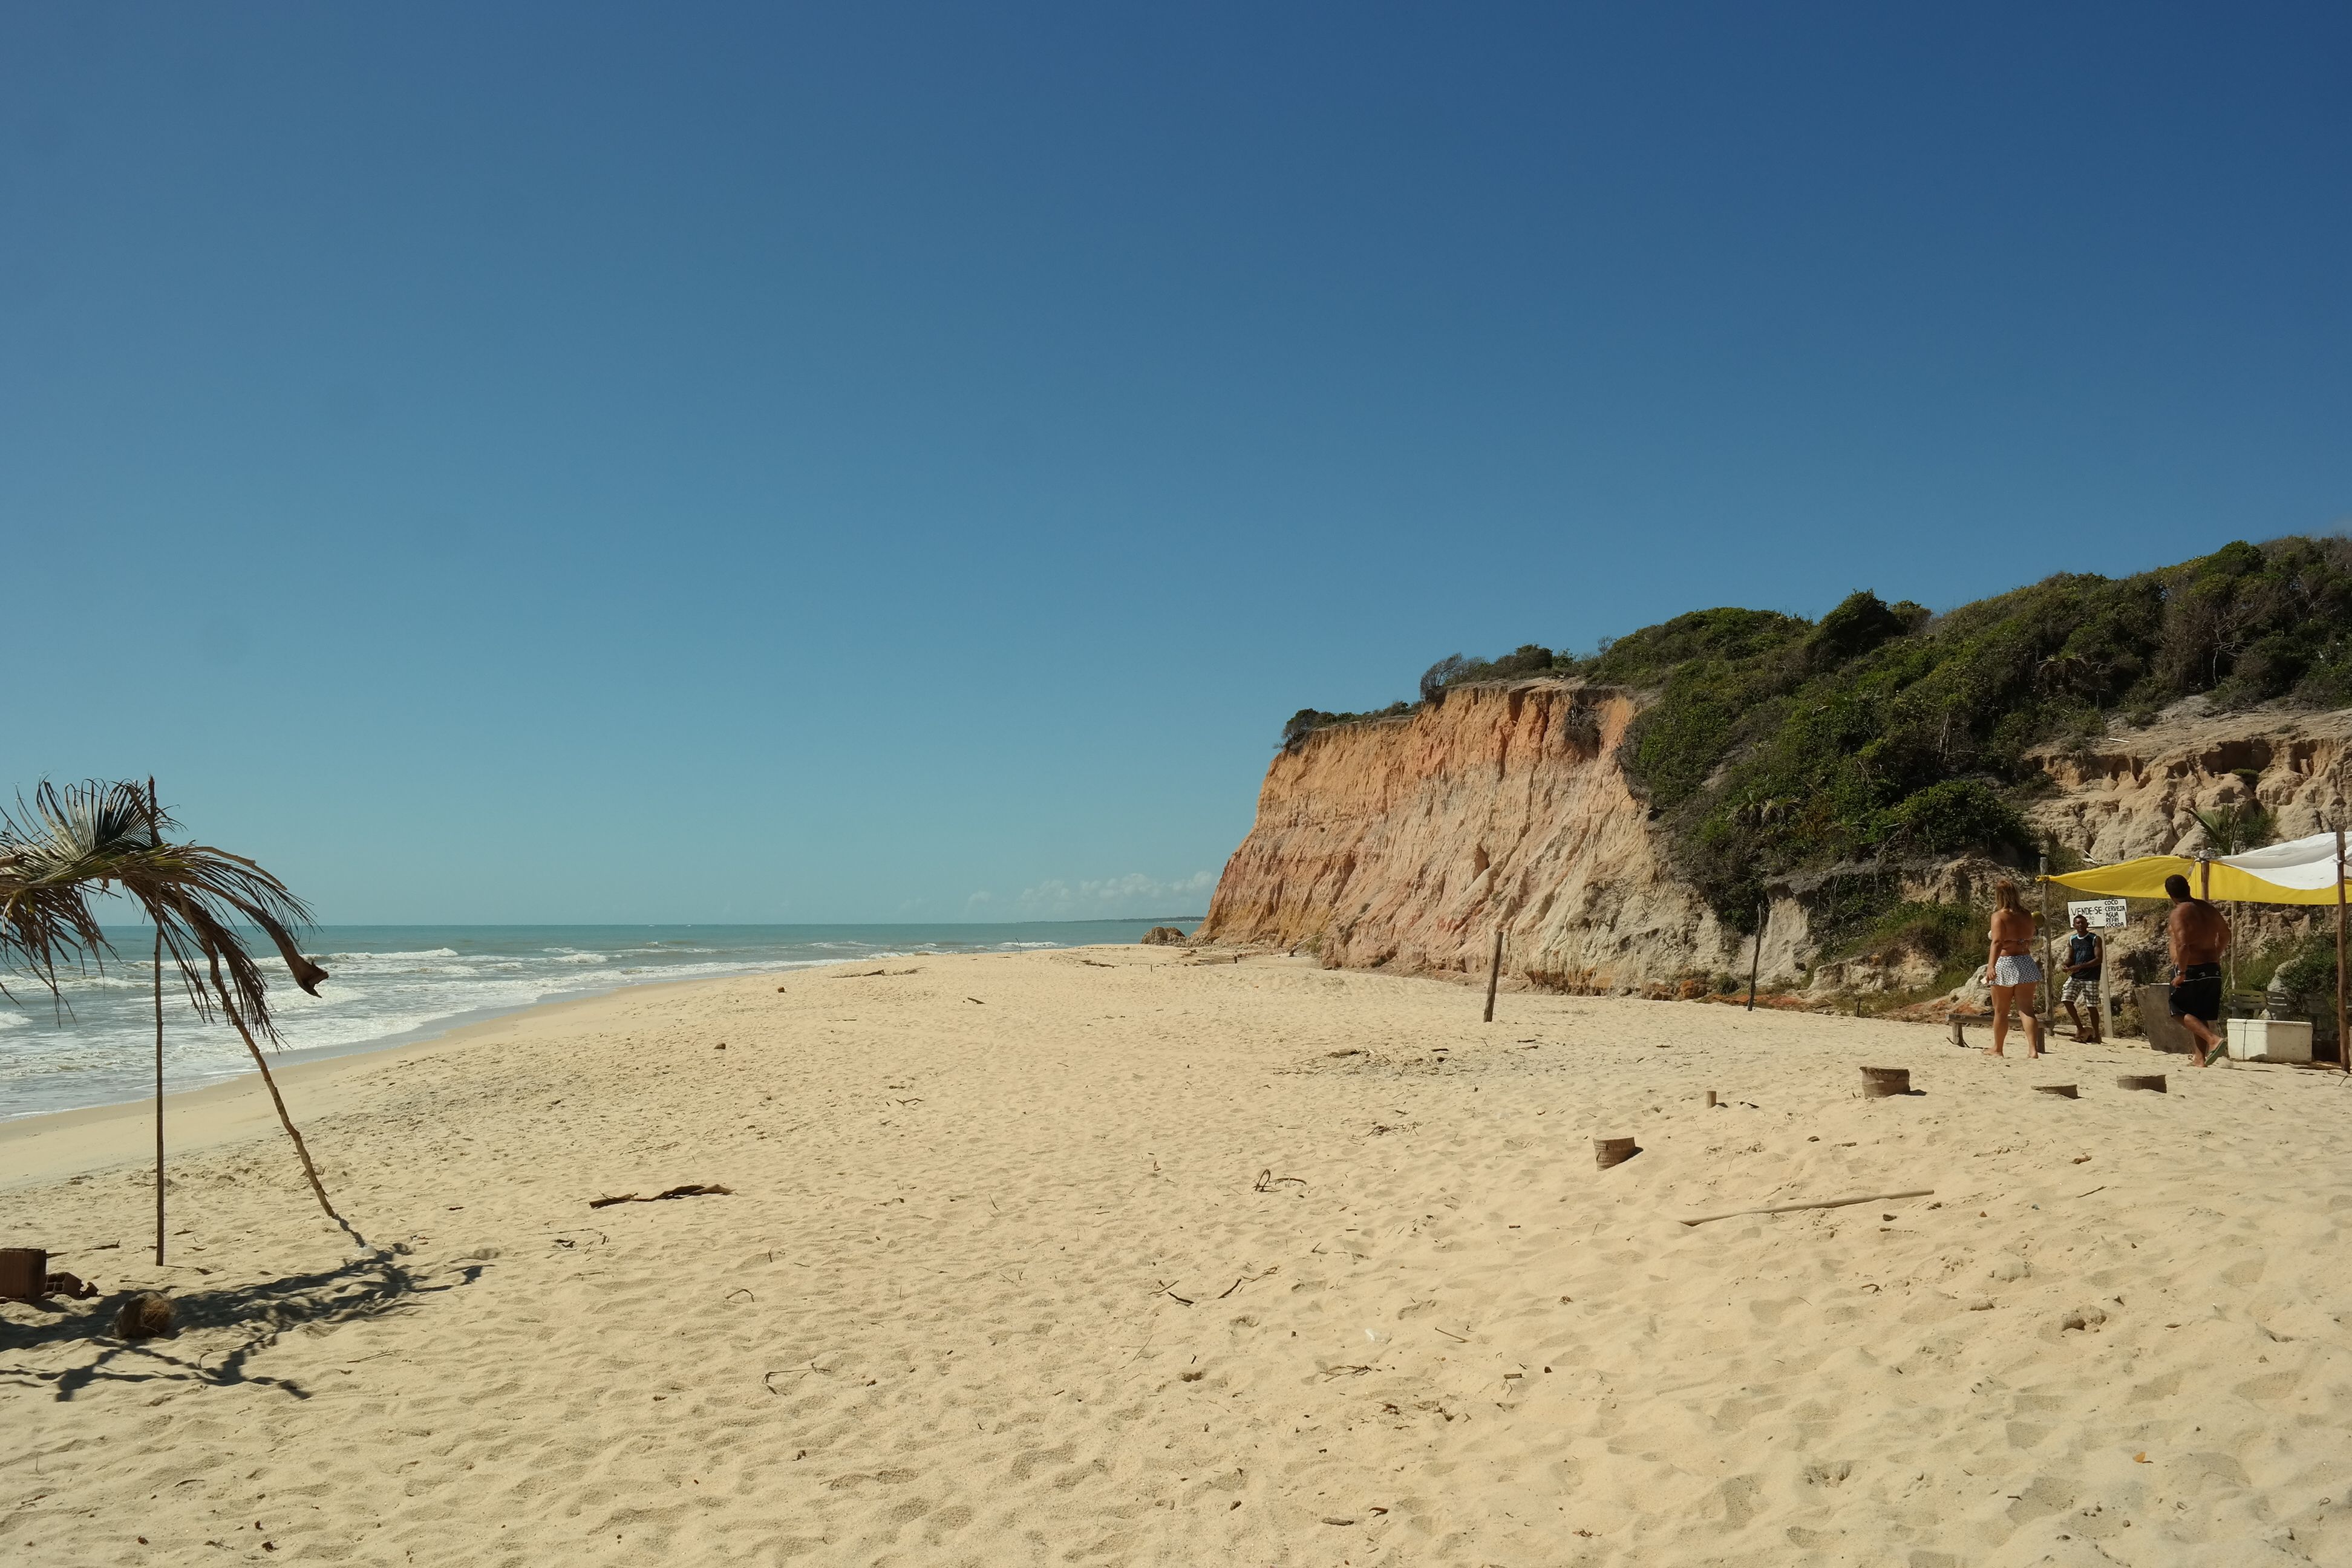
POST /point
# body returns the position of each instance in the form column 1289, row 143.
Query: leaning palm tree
column 67, row 845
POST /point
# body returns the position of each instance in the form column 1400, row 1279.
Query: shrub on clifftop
column 1773, row 746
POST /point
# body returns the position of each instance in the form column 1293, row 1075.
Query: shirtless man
column 2198, row 936
column 2010, row 971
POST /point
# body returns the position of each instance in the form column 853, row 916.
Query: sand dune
column 1114, row 1257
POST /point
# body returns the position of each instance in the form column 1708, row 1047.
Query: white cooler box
column 2269, row 1040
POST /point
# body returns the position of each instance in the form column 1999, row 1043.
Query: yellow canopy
column 2144, row 879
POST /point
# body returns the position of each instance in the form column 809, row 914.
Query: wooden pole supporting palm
column 154, row 819
column 159, row 1099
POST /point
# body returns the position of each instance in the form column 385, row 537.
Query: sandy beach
column 1118, row 1255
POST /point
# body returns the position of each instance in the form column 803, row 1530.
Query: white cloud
column 1133, row 896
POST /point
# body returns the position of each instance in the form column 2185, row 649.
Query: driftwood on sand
column 1816, row 1204
column 691, row 1190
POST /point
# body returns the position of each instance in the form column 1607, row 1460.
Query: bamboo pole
column 2343, row 1053
column 1756, row 955
column 1493, row 973
column 220, row 989
column 159, row 1096
column 155, row 826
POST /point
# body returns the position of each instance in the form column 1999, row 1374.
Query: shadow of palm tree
column 376, row 1285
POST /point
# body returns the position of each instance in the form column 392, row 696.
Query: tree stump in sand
column 1608, row 1151
column 1959, row 1039
column 2063, row 1091
column 1707, row 1099
column 23, row 1271
column 2153, row 1081
column 1878, row 1083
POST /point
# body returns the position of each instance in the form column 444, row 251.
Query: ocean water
column 395, row 983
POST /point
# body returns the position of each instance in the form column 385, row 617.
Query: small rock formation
column 1163, row 936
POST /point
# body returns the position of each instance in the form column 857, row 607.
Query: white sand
column 938, row 1320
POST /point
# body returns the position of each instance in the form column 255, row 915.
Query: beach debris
column 868, row 974
column 1707, row 1099
column 26, row 1276
column 1883, row 1083
column 1816, row 1204
column 2084, row 1318
column 1608, row 1151
column 2151, row 1081
column 976, row 1001
column 24, row 1272
column 692, row 1190
column 1267, row 1181
column 2063, row 1091
column 144, row 1316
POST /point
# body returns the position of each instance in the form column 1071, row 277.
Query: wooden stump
column 1878, row 1083
column 1958, row 1038
column 1708, row 1100
column 24, row 1272
column 2153, row 1081
column 1608, row 1151
column 2063, row 1091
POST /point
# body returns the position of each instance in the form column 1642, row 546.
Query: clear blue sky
column 702, row 462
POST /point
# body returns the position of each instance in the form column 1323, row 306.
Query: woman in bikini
column 2010, row 969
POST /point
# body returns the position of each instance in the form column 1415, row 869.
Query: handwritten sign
column 2105, row 914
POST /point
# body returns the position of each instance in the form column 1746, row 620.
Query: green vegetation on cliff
column 1776, row 748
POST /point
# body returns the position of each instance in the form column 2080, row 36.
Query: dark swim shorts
column 2197, row 993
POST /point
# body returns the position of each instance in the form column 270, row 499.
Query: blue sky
column 702, row 462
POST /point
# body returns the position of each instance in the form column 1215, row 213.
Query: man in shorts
column 2086, row 953
column 2198, row 937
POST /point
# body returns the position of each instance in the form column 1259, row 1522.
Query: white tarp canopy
column 2306, row 864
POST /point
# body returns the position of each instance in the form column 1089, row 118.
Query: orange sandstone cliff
column 1404, row 843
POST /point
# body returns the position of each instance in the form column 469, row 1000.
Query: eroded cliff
column 1403, row 842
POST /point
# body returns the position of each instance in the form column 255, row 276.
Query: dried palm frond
column 66, row 843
